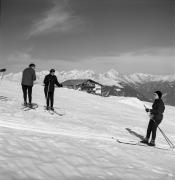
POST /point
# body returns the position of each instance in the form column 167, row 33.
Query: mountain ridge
column 90, row 74
column 139, row 85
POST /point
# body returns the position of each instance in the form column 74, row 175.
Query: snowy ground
column 36, row 145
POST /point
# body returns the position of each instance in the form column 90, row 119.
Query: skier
column 49, row 81
column 2, row 71
column 156, row 116
column 28, row 77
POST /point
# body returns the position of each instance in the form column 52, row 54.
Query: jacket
column 28, row 76
column 157, row 110
column 50, row 81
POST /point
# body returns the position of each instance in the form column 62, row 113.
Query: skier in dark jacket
column 50, row 81
column 156, row 116
column 28, row 76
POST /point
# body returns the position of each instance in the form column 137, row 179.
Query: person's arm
column 46, row 80
column 57, row 83
column 34, row 76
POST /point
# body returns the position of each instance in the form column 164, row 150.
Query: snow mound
column 79, row 145
column 133, row 102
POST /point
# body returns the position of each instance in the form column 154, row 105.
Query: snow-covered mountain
column 138, row 77
column 112, row 77
column 35, row 145
column 137, row 84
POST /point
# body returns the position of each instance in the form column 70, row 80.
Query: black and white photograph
column 87, row 89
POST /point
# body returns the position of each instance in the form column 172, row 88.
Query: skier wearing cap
column 28, row 77
column 156, row 116
column 50, row 81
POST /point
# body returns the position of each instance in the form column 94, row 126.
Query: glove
column 147, row 110
column 61, row 85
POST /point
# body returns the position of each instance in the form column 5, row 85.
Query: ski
column 29, row 108
column 59, row 114
column 48, row 110
column 3, row 98
column 138, row 143
column 52, row 112
column 33, row 106
column 130, row 142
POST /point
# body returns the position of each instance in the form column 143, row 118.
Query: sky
column 126, row 35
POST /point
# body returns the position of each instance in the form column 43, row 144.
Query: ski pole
column 166, row 138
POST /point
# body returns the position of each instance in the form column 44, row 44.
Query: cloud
column 155, row 61
column 19, row 57
column 157, row 51
column 57, row 19
column 160, row 61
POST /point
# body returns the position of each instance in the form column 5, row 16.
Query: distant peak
column 113, row 71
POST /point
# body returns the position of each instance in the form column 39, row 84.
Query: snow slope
column 36, row 145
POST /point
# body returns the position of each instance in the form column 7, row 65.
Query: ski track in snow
column 78, row 145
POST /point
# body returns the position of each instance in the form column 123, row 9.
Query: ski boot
column 145, row 141
column 25, row 103
column 51, row 108
column 152, row 143
column 30, row 105
column 47, row 108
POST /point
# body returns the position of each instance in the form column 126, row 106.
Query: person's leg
column 30, row 94
column 46, row 96
column 24, row 89
column 52, row 99
column 154, row 129
column 48, row 100
column 149, row 129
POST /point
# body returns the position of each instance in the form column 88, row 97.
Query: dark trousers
column 49, row 98
column 27, row 90
column 152, row 128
